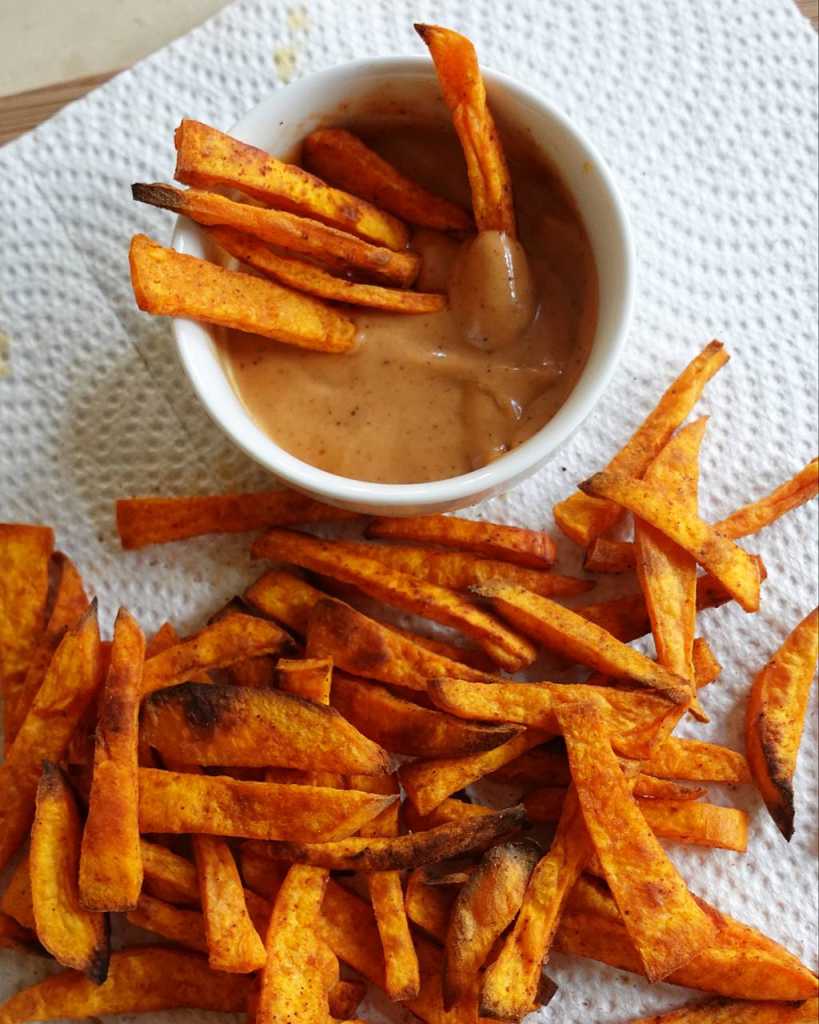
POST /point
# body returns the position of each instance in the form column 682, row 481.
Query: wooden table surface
column 25, row 110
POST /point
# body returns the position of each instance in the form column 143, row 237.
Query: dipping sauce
column 426, row 397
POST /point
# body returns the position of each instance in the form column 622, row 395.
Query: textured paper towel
column 707, row 115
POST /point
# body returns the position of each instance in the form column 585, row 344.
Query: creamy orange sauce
column 432, row 396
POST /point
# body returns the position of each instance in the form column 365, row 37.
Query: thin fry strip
column 729, row 1012
column 307, row 277
column 775, row 718
column 761, row 513
column 207, row 157
column 731, row 565
column 464, row 93
column 582, row 517
column 642, row 878
column 168, row 876
column 170, row 283
column 609, row 556
column 185, row 926
column 697, row 761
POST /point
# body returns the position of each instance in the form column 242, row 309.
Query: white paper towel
column 707, row 114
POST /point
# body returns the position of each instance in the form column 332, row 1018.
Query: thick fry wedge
column 632, row 717
column 142, row 521
column 24, row 556
column 532, row 549
column 400, row 590
column 791, row 494
column 233, row 638
column 207, row 157
column 73, row 678
column 485, row 906
column 583, row 517
column 663, row 919
column 219, row 805
column 741, row 963
column 731, row 565
column 307, row 277
column 578, row 639
column 144, row 979
column 309, row 678
column 463, row 90
column 405, row 728
column 775, row 718
column 367, row 648
column 168, row 876
column 697, row 761
column 722, row 1011
column 111, row 861
column 401, row 852
column 75, row 937
column 344, row 160
column 511, row 982
column 169, row 283
column 227, row 725
column 428, row 783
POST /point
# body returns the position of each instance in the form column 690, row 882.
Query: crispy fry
column 730, row 564
column 230, row 725
column 168, row 876
column 722, row 1011
column 609, row 556
column 401, row 852
column 187, row 927
column 547, row 767
column 367, row 648
column 110, row 860
column 775, row 718
column 485, row 906
column 207, row 157
column 741, row 963
column 145, row 979
column 759, row 514
column 24, row 556
column 531, row 549
column 463, row 90
column 218, row 805
column 647, row 787
column 401, row 975
column 400, row 590
column 582, row 517
column 697, row 761
column 428, row 783
column 74, row 936
column 309, row 678
column 429, row 906
column 663, row 919
column 580, row 640
column 72, row 680
column 341, row 158
column 447, row 811
column 169, row 283
column 142, row 521
column 706, row 667
column 233, row 638
column 307, row 277
column 285, row 597
column 406, row 728
column 16, row 901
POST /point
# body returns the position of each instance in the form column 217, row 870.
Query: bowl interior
column 406, row 89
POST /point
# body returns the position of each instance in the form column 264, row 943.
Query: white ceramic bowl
column 408, row 87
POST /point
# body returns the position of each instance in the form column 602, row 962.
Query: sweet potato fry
column 723, row 1011
column 24, row 556
column 583, row 517
column 207, row 157
column 429, row 906
column 759, row 514
column 143, row 521
column 16, row 901
column 168, row 876
column 110, row 859
column 510, row 983
column 74, row 936
column 706, row 667
column 73, row 678
column 428, row 783
column 285, row 597
column 485, row 906
column 575, row 637
column 399, row 590
column 731, row 565
column 367, row 648
column 144, row 979
column 405, row 728
column 697, row 761
column 13, row 936
column 663, row 919
column 775, row 718
column 401, row 852
column 606, row 555
column 341, row 158
column 307, row 277
column 309, row 678
column 463, row 90
column 185, row 926
column 230, row 725
column 219, row 805
column 741, row 963
column 632, row 717
column 169, row 283
column 402, row 979
column 233, row 638
column 345, row 996
column 447, row 811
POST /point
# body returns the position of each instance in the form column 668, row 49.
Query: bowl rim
column 502, row 473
